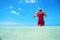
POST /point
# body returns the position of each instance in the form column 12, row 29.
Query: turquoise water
column 29, row 33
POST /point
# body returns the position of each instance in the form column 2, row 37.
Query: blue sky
column 20, row 12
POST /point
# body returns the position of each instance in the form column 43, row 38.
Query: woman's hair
column 40, row 10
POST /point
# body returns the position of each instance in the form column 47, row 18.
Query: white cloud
column 12, row 23
column 19, row 9
column 8, row 23
column 30, row 1
column 33, row 1
column 27, row 1
column 11, row 7
column 14, row 12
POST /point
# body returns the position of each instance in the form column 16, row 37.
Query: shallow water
column 29, row 33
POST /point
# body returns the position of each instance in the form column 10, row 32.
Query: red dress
column 40, row 19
